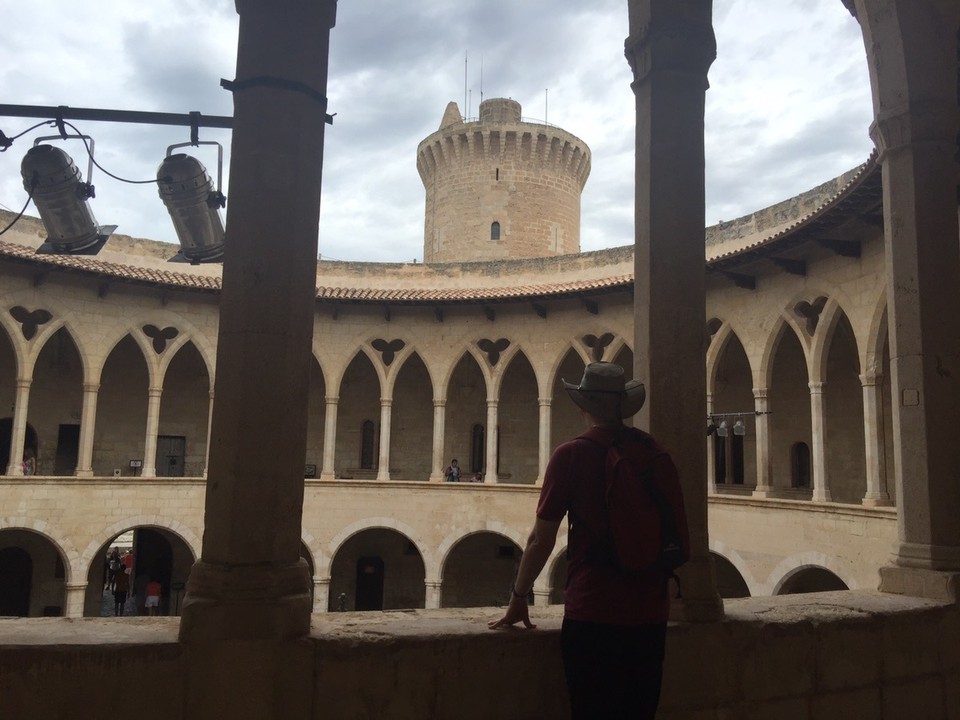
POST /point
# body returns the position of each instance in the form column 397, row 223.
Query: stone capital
column 932, row 122
column 671, row 44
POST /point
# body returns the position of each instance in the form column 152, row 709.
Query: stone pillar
column 912, row 52
column 250, row 589
column 206, row 454
column 321, row 594
column 328, row 472
column 818, row 455
column 434, row 589
column 670, row 48
column 19, row 430
column 153, row 426
column 490, row 473
column 544, row 444
column 761, row 406
column 873, row 439
column 439, row 436
column 247, row 608
column 383, row 464
column 88, row 426
column 711, row 452
column 76, row 596
column 541, row 597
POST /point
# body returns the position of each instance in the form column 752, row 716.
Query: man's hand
column 517, row 611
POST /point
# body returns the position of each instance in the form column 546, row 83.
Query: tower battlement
column 500, row 187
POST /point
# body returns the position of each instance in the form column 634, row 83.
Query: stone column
column 321, row 594
column 711, row 452
column 383, row 464
column 912, row 51
column 761, row 404
column 250, row 586
column 432, row 600
column 88, row 426
column 818, row 455
column 873, row 439
column 439, row 436
column 490, row 470
column 544, row 444
column 19, row 431
column 670, row 48
column 541, row 597
column 330, row 438
column 206, row 454
column 76, row 596
column 153, row 426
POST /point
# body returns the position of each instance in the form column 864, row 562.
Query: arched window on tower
column 495, row 230
column 367, row 433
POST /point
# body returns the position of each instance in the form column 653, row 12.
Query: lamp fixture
column 194, row 205
column 55, row 185
column 723, row 430
column 739, row 428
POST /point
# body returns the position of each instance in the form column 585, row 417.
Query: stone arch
column 188, row 332
column 791, row 565
column 357, row 451
column 821, row 340
column 318, row 556
column 507, row 358
column 872, row 360
column 721, row 549
column 455, row 536
column 411, row 424
column 42, row 339
column 372, row 523
column 565, row 419
column 772, row 342
column 68, row 553
column 380, row 566
column 185, row 533
column 518, row 421
column 479, row 358
column 478, row 569
column 469, row 414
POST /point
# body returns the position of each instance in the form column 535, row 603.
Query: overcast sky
column 788, row 107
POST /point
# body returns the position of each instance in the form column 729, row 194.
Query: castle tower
column 501, row 187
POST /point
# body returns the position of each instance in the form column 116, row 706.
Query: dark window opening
column 495, row 231
column 736, row 459
column 477, row 450
column 367, row 433
column 800, row 464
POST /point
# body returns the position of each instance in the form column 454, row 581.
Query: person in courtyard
column 152, row 604
column 614, row 625
column 29, row 462
column 120, row 588
column 114, row 566
column 452, row 472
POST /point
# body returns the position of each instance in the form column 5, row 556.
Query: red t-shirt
column 574, row 483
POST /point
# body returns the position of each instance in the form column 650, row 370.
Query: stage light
column 194, row 206
column 55, row 185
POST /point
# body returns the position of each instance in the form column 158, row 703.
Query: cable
column 101, row 168
column 6, row 142
column 20, row 214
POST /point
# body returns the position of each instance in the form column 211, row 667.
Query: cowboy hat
column 604, row 394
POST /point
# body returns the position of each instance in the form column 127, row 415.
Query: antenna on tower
column 546, row 105
column 481, row 79
column 465, row 85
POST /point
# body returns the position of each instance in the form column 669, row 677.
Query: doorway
column 369, row 583
column 68, row 450
column 171, row 451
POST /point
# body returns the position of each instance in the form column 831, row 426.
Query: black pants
column 613, row 671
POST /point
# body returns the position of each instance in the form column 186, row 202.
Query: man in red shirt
column 614, row 624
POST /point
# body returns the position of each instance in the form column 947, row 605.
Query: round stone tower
column 501, row 187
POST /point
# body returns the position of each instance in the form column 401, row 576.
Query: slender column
column 88, row 426
column 206, row 454
column 19, row 433
column 439, row 437
column 250, row 583
column 330, row 438
column 761, row 404
column 432, row 600
column 386, row 411
column 490, row 471
column 873, row 439
column 76, row 597
column 321, row 594
column 153, row 427
column 541, row 597
column 670, row 48
column 544, row 445
column 818, row 455
column 711, row 452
